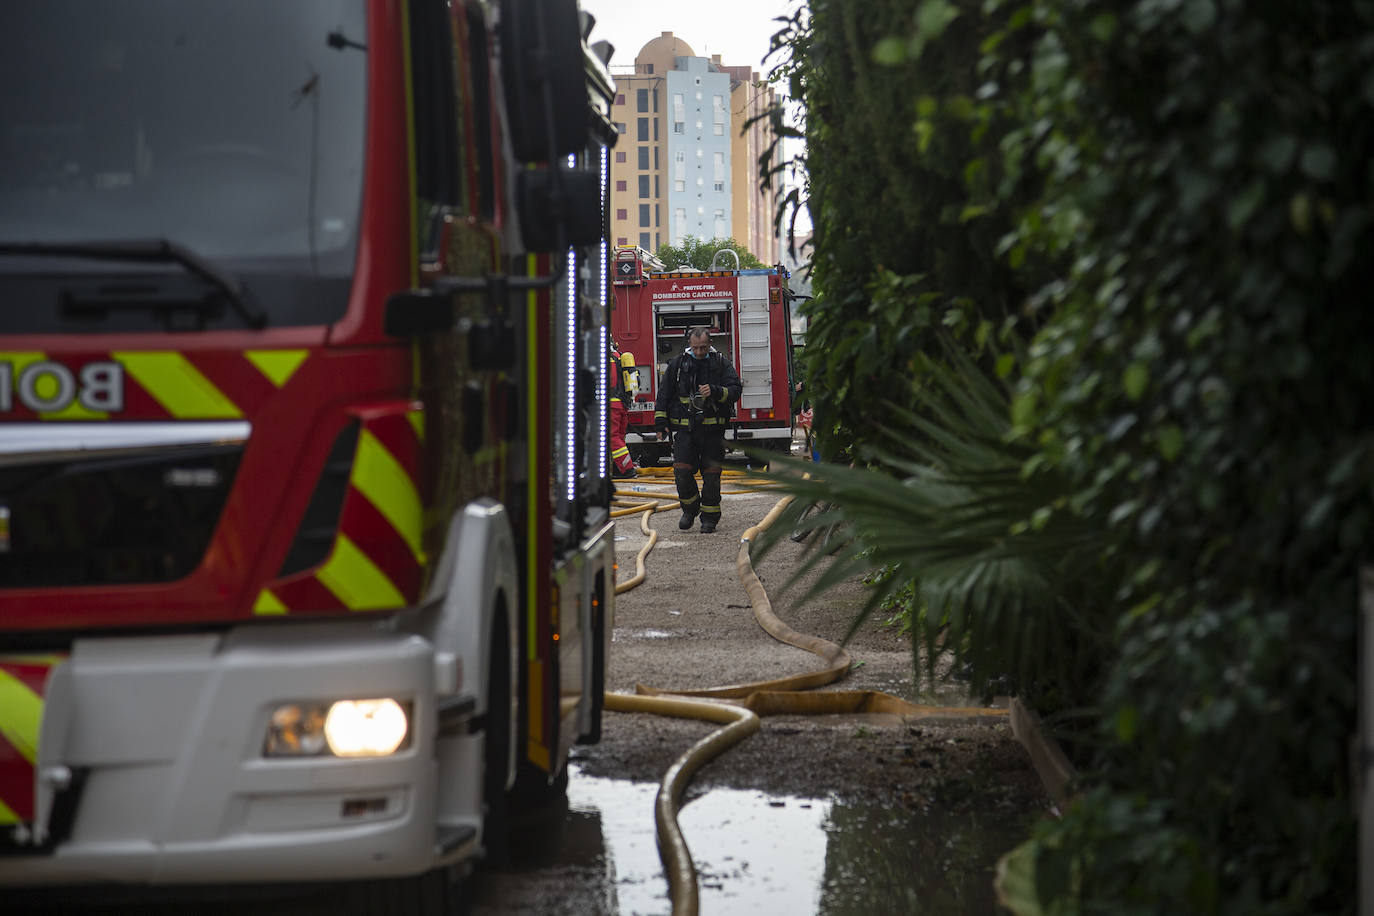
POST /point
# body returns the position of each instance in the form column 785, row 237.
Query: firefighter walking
column 695, row 402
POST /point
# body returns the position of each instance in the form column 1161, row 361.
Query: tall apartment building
column 685, row 164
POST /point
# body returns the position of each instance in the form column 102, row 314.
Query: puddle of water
column 643, row 633
column 760, row 853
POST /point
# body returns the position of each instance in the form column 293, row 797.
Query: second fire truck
column 749, row 315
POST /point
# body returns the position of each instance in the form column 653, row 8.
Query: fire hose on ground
column 739, row 706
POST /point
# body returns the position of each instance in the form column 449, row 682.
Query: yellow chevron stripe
column 177, row 385
column 268, row 604
column 45, row 388
column 277, row 365
column 381, row 478
column 21, row 712
column 7, row 816
column 356, row 581
column 417, row 422
column 45, row 659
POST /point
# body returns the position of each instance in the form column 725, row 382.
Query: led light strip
column 602, row 405
column 571, row 399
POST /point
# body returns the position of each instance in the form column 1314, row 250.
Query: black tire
column 647, row 456
column 598, row 687
column 435, row 893
column 496, row 744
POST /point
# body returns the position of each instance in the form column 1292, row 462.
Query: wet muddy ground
column 812, row 815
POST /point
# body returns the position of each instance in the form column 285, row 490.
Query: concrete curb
column 1045, row 753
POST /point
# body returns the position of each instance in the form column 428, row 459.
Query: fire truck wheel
column 496, row 820
column 435, row 893
column 648, row 456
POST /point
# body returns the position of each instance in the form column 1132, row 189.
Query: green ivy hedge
column 1150, row 224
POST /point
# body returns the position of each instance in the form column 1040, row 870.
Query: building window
column 644, row 216
column 648, row 68
column 679, row 127
column 718, row 186
column 657, row 193
column 679, row 185
column 643, row 129
column 718, row 167
column 679, row 107
column 620, row 186
column 642, row 99
column 620, row 156
column 720, row 130
column 620, row 98
column 621, row 240
column 644, row 236
column 643, row 185
column 621, row 214
column 655, row 157
column 679, row 223
column 720, row 230
column 643, row 157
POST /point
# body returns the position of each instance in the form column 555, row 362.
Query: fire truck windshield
column 235, row 130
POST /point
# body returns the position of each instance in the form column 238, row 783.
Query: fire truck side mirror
column 414, row 312
column 544, row 78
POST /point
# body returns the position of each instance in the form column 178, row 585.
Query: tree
column 694, row 252
column 1092, row 322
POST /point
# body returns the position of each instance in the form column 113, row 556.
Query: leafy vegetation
column 698, row 253
column 1093, row 318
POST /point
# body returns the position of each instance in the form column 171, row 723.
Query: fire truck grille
column 114, row 520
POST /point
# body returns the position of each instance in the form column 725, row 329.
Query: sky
column 740, row 31
column 737, row 30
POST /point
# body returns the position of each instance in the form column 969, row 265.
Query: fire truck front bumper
column 200, row 759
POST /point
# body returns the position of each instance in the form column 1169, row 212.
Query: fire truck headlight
column 296, row 730
column 365, row 728
column 346, row 728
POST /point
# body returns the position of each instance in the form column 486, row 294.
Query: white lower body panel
column 165, row 735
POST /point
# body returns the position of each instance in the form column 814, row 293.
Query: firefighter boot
column 687, row 495
column 710, row 499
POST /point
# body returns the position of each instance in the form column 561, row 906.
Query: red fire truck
column 749, row 314
column 306, row 563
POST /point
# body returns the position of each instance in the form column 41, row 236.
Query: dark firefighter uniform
column 697, row 424
column 619, row 397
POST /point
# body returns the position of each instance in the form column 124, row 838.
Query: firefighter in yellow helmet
column 622, row 465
